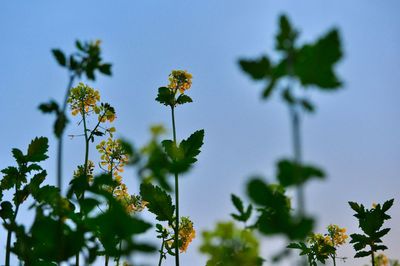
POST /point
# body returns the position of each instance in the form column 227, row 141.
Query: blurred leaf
column 258, row 69
column 59, row 56
column 6, row 211
column 315, row 62
column 285, row 39
column 105, row 69
column 291, row 173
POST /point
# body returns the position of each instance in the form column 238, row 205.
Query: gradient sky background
column 354, row 135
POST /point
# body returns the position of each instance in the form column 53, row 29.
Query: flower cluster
column 106, row 112
column 113, row 157
column 381, row 260
column 336, row 236
column 131, row 203
column 186, row 233
column 83, row 99
column 80, row 171
column 180, row 80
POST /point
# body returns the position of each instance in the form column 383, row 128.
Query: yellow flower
column 113, row 156
column 381, row 260
column 180, row 80
column 83, row 99
column 336, row 236
column 186, row 233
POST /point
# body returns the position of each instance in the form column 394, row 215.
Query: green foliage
column 183, row 156
column 291, row 173
column 159, row 202
column 229, row 246
column 317, row 250
column 275, row 215
column 244, row 214
column 167, row 96
column 86, row 60
column 153, row 163
column 312, row 64
column 370, row 221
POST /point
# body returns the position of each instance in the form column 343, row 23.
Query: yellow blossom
column 83, row 98
column 186, row 233
column 336, row 236
column 113, row 156
column 381, row 260
column 180, row 80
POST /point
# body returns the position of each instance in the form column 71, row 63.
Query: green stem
column 9, row 233
column 297, row 150
column 161, row 252
column 176, row 228
column 106, row 262
column 373, row 257
column 60, row 139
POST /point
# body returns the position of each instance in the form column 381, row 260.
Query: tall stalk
column 176, row 228
column 9, row 233
column 60, row 138
column 297, row 152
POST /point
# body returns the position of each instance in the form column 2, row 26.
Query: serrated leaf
column 159, row 202
column 166, row 96
column 387, row 205
column 191, row 146
column 59, row 56
column 183, row 98
column 37, row 150
column 18, row 155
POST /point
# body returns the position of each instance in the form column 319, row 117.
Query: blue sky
column 354, row 134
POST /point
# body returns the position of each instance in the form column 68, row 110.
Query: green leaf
column 285, row 39
column 291, row 173
column 59, row 56
column 37, row 150
column 307, row 105
column 258, row 69
column 60, row 124
column 237, row 202
column 159, row 202
column 387, row 205
column 191, row 146
column 183, row 98
column 361, row 254
column 105, row 69
column 314, row 63
column 18, row 155
column 166, row 96
column 49, row 107
column 6, row 210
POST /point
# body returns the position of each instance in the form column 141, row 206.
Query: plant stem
column 297, row 150
column 373, row 257
column 161, row 252
column 176, row 228
column 60, row 138
column 106, row 262
column 9, row 233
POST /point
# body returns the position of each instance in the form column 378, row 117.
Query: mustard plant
column 320, row 247
column 86, row 61
column 180, row 157
column 370, row 222
column 300, row 67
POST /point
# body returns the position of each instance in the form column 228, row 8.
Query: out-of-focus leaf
column 59, row 56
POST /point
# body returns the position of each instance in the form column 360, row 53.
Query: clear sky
column 354, row 134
